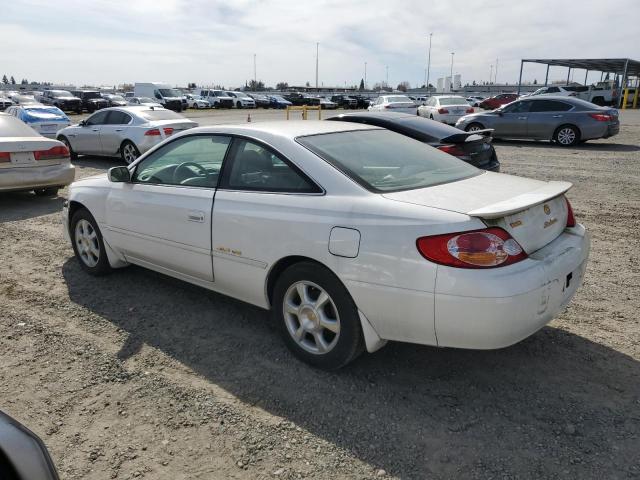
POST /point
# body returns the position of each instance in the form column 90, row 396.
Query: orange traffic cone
column 249, row 118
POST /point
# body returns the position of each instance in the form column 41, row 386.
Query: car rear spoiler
column 522, row 202
column 465, row 136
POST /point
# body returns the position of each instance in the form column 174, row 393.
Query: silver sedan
column 563, row 120
column 124, row 131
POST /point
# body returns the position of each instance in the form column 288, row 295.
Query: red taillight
column 488, row 248
column 470, row 110
column 153, row 132
column 55, row 153
column 601, row 117
column 571, row 219
column 443, row 110
column 454, row 150
column 168, row 131
column 5, row 157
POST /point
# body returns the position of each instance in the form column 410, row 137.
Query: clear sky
column 106, row 42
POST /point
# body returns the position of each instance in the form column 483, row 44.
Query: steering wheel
column 201, row 171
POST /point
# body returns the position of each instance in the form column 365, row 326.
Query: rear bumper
column 488, row 309
column 28, row 178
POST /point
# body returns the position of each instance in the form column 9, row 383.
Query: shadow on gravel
column 591, row 146
column 555, row 405
column 103, row 163
column 24, row 205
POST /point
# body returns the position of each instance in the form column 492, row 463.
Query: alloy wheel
column 87, row 243
column 566, row 136
column 129, row 153
column 311, row 317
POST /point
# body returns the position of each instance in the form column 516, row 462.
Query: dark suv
column 62, row 99
column 302, row 99
column 91, row 100
column 345, row 101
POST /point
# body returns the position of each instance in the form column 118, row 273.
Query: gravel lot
column 138, row 375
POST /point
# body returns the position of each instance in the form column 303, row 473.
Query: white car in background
column 554, row 90
column 143, row 102
column 195, row 101
column 445, row 108
column 29, row 161
column 393, row 103
column 475, row 100
column 351, row 235
column 241, row 100
column 44, row 119
column 123, row 131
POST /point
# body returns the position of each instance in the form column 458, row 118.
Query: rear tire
column 47, row 191
column 474, row 127
column 129, row 152
column 566, row 136
column 87, row 243
column 238, row 105
column 316, row 316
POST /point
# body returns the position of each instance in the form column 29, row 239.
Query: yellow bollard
column 624, row 98
column 635, row 96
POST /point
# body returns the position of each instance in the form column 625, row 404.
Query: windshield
column 117, row 98
column 91, row 95
column 453, row 101
column 169, row 92
column 61, row 93
column 160, row 114
column 385, row 161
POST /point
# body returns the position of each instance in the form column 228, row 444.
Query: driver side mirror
column 83, row 123
column 119, row 175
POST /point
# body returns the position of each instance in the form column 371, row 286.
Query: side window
column 553, row 90
column 98, row 118
column 550, row 106
column 194, row 161
column 257, row 168
column 118, row 118
column 156, row 94
column 517, row 107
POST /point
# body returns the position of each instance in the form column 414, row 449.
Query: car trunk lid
column 533, row 212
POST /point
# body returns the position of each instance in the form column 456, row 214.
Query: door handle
column 95, row 129
column 557, row 116
column 118, row 129
column 522, row 118
column 195, row 216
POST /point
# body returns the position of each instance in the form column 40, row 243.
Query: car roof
column 286, row 128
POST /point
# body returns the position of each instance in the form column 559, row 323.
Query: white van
column 164, row 93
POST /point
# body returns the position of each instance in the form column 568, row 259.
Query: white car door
column 261, row 207
column 161, row 219
column 86, row 137
column 113, row 132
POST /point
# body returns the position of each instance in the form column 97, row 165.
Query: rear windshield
column 384, row 161
column 43, row 114
column 453, row 101
column 399, row 99
column 160, row 114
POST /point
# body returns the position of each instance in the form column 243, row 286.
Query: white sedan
column 393, row 103
column 351, row 235
column 445, row 108
column 196, row 101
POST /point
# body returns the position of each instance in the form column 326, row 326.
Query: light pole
column 495, row 76
column 451, row 84
column 365, row 75
column 255, row 77
column 490, row 73
column 317, row 48
column 428, row 64
column 387, row 68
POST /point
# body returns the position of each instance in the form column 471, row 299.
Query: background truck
column 600, row 93
column 163, row 93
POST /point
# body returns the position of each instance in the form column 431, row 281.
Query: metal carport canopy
column 613, row 65
column 625, row 67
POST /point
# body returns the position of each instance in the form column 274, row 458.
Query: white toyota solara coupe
column 352, row 235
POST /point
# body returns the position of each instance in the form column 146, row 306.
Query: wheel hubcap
column 87, row 243
column 475, row 128
column 129, row 153
column 566, row 136
column 311, row 317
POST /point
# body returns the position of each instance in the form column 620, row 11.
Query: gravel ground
column 138, row 375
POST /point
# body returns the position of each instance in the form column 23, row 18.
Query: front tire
column 88, row 245
column 129, row 152
column 317, row 317
column 566, row 136
column 238, row 105
column 73, row 155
